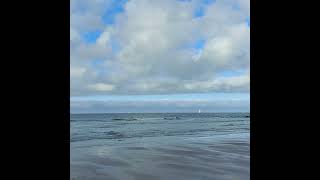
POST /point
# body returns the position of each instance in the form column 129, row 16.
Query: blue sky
column 111, row 12
column 148, row 51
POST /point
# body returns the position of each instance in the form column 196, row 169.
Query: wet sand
column 222, row 160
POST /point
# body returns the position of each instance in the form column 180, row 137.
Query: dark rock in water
column 171, row 118
column 247, row 116
column 111, row 132
column 117, row 119
column 127, row 119
column 115, row 135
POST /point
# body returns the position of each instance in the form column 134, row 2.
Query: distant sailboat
column 199, row 111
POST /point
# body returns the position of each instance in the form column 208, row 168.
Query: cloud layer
column 159, row 47
column 159, row 106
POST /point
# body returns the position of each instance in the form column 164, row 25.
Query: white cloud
column 227, row 84
column 155, row 53
column 86, row 22
column 77, row 71
column 101, row 87
column 230, row 50
column 104, row 38
column 74, row 34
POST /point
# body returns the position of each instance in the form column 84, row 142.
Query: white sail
column 199, row 111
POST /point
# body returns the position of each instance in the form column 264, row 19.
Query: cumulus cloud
column 226, row 84
column 151, row 47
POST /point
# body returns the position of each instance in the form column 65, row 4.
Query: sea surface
column 160, row 146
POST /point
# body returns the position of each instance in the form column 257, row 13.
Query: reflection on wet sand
column 228, row 160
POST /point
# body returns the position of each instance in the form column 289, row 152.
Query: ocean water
column 160, row 146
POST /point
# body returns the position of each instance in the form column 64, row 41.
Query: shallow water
column 160, row 146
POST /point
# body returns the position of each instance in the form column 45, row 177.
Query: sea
column 160, row 146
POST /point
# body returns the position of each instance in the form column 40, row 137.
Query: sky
column 159, row 56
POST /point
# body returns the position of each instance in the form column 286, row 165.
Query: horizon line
column 156, row 112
